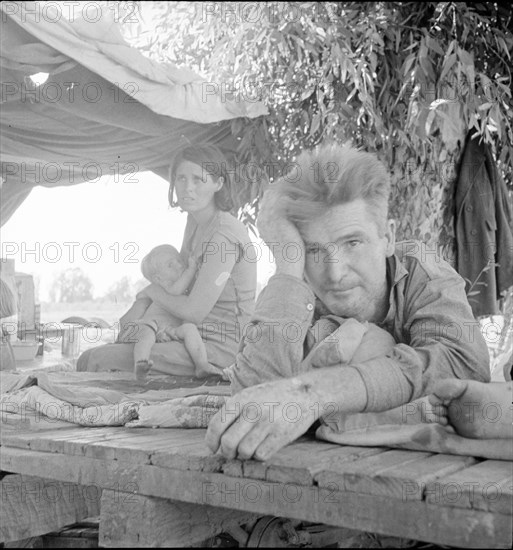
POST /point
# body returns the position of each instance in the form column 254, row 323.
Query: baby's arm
column 185, row 279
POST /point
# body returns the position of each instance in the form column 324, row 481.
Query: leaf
column 448, row 65
column 467, row 61
column 434, row 45
column 434, row 104
column 429, row 121
column 316, row 121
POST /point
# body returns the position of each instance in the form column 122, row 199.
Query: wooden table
column 164, row 487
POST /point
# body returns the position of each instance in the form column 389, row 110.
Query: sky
column 104, row 227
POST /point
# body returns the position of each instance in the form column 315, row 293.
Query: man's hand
column 258, row 421
column 281, row 235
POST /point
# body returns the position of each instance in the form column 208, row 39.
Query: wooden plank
column 192, row 456
column 405, row 480
column 156, row 522
column 485, row 486
column 54, row 440
column 254, row 469
column 292, row 465
column 417, row 520
column 232, row 467
column 32, row 506
column 130, row 446
column 358, row 476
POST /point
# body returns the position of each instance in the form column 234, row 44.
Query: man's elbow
column 480, row 364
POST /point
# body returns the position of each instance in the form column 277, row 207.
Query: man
column 336, row 254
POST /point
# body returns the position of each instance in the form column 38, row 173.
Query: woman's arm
column 185, row 279
column 213, row 274
column 136, row 311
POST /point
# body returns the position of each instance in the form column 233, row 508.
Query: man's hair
column 149, row 266
column 334, row 174
column 213, row 162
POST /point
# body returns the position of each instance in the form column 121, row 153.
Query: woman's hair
column 149, row 262
column 330, row 175
column 214, row 163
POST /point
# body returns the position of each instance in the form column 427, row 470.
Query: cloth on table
column 406, row 427
column 96, row 407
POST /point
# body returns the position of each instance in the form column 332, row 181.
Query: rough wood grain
column 485, row 486
column 32, row 506
column 155, row 522
column 405, row 480
column 419, row 520
column 299, row 463
column 359, row 475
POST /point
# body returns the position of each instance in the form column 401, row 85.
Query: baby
column 163, row 266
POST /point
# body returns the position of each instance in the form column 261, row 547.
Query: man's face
column 346, row 260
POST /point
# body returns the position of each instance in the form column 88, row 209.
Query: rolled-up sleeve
column 273, row 341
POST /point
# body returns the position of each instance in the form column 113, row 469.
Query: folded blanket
column 405, row 428
column 96, row 407
column 188, row 412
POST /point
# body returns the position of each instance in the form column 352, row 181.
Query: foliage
column 121, row 291
column 404, row 79
column 71, row 285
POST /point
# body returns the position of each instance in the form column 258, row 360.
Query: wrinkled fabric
column 484, row 228
column 429, row 318
column 190, row 412
column 105, row 109
column 418, row 437
column 98, row 407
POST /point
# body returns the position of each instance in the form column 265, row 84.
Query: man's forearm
column 273, row 344
column 334, row 390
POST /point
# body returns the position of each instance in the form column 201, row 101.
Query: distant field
column 108, row 311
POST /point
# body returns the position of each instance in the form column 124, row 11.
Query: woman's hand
column 281, row 235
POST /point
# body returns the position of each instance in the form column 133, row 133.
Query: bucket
column 71, row 341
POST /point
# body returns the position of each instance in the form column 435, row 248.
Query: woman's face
column 195, row 188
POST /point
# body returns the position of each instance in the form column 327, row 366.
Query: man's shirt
column 429, row 317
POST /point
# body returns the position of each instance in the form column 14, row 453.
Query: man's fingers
column 270, row 445
column 233, row 436
column 224, row 429
column 252, row 440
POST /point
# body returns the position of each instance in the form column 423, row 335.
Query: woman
column 221, row 297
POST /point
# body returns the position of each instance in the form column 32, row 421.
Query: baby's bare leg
column 145, row 338
column 191, row 337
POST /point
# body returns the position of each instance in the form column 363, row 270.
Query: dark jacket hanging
column 484, row 233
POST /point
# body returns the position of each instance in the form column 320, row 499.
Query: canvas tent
column 104, row 109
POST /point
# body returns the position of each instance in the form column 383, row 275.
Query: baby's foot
column 476, row 409
column 142, row 368
column 206, row 369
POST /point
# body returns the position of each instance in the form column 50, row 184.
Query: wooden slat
column 418, row 520
column 131, row 445
column 32, row 506
column 406, row 480
column 193, row 456
column 359, row 475
column 485, row 486
column 232, row 468
column 300, row 462
column 154, row 522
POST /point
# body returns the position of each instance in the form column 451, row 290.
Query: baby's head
column 162, row 265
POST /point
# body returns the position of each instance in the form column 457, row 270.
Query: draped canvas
column 105, row 109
